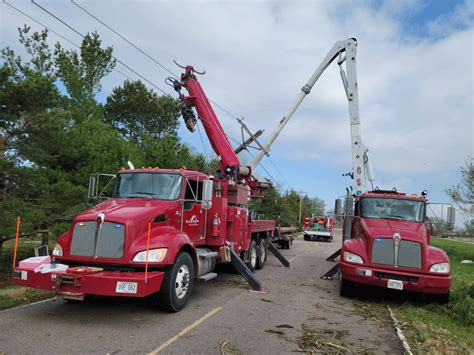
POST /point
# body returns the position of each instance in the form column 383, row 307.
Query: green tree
column 138, row 112
column 81, row 73
column 462, row 194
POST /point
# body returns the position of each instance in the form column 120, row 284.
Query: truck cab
column 388, row 245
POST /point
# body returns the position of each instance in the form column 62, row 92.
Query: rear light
column 58, row 250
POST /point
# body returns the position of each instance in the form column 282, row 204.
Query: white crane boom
column 360, row 160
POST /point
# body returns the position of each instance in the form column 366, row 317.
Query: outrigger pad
column 248, row 275
column 278, row 255
column 328, row 275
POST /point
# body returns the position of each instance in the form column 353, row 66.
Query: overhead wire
column 55, row 32
column 146, row 54
column 135, row 72
column 118, row 60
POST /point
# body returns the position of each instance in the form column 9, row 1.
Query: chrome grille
column 409, row 253
column 107, row 242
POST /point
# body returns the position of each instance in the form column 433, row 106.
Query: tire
column 253, row 256
column 306, row 237
column 347, row 288
column 262, row 254
column 177, row 284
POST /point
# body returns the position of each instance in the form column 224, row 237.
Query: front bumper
column 317, row 235
column 415, row 282
column 104, row 283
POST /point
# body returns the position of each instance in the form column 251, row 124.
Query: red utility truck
column 318, row 228
column 384, row 248
column 162, row 229
column 386, row 243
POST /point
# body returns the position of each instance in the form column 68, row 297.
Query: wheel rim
column 263, row 253
column 182, row 281
column 253, row 257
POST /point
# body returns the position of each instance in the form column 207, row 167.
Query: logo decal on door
column 193, row 221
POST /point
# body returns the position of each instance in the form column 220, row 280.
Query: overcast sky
column 415, row 75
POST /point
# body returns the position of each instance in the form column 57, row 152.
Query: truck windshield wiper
column 143, row 193
column 394, row 217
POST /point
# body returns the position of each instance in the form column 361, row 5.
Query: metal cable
column 125, row 39
column 56, row 33
column 118, row 60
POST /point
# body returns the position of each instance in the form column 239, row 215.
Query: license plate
column 126, row 287
column 395, row 284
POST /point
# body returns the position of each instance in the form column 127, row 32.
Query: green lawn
column 449, row 328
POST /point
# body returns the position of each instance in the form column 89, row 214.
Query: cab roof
column 182, row 172
column 392, row 194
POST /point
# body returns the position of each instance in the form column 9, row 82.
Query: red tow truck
column 318, row 228
column 386, row 243
column 162, row 229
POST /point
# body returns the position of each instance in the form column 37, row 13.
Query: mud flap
column 278, row 255
column 248, row 275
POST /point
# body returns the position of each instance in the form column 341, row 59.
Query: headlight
column 58, row 250
column 154, row 256
column 441, row 268
column 352, row 258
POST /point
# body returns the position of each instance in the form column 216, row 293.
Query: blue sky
column 415, row 74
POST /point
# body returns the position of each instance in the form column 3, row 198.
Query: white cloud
column 416, row 94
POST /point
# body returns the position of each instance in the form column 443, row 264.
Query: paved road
column 221, row 317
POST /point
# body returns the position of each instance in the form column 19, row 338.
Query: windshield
column 390, row 208
column 148, row 185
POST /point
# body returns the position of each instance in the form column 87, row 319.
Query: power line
column 118, row 60
column 125, row 39
column 146, row 54
column 56, row 33
column 279, row 172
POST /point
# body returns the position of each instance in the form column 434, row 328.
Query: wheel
column 262, row 254
column 306, row 237
column 177, row 284
column 253, row 256
column 347, row 288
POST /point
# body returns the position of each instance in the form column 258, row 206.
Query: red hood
column 128, row 210
column 385, row 228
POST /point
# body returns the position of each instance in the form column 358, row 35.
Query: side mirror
column 338, row 209
column 207, row 186
column 92, row 195
column 451, row 219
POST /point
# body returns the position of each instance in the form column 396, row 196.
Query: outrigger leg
column 248, row 275
column 278, row 255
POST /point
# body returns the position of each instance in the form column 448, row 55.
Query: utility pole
column 301, row 203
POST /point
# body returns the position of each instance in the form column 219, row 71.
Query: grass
column 448, row 328
column 12, row 296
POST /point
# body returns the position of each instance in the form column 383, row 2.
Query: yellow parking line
column 185, row 330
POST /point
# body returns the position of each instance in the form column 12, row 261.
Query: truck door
column 193, row 213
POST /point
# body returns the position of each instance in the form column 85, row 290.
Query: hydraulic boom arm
column 360, row 161
column 229, row 162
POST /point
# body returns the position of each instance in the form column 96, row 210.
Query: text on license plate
column 126, row 287
column 395, row 284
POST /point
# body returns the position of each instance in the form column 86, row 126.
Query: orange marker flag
column 147, row 247
column 16, row 240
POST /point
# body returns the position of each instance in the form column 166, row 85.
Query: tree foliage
column 284, row 208
column 51, row 140
column 137, row 112
column 462, row 194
